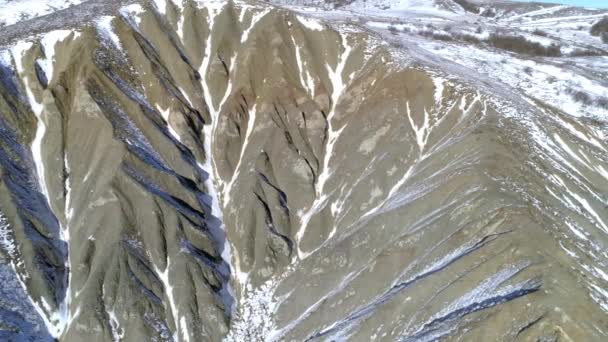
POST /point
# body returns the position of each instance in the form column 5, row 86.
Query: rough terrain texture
column 207, row 171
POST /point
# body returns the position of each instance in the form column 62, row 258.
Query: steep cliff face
column 231, row 170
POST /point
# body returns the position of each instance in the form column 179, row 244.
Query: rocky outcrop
column 231, row 170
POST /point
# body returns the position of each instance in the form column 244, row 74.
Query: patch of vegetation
column 468, row 38
column 586, row 53
column 539, row 32
column 580, row 96
column 393, row 29
column 488, row 13
column 447, row 37
column 467, row 6
column 437, row 35
column 521, row 45
column 602, row 102
column 587, row 100
column 600, row 28
column 605, row 37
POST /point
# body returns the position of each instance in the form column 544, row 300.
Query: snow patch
column 212, row 183
column 18, row 52
column 8, row 244
column 311, row 24
column 48, row 42
column 165, row 116
column 169, row 293
column 12, row 12
column 254, row 317
column 161, row 6
column 250, row 127
column 117, row 332
column 133, row 11
column 305, row 78
column 106, row 30
column 339, row 84
column 254, row 20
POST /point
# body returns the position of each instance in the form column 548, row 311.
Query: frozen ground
column 455, row 40
column 13, row 11
column 22, row 21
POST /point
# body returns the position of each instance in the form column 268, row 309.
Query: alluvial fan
column 211, row 170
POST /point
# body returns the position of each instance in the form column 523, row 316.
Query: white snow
column 245, row 8
column 18, row 52
column 161, row 5
column 404, row 178
column 582, row 135
column 385, row 25
column 547, row 82
column 6, row 58
column 12, row 12
column 250, row 128
column 133, row 11
column 43, row 309
column 397, row 7
column 484, row 291
column 254, row 317
column 543, row 11
column 439, row 87
column 48, row 42
column 6, row 239
column 105, row 28
column 207, row 58
column 310, row 23
column 165, row 114
column 421, row 132
column 254, row 20
column 569, row 252
column 178, row 3
column 117, row 332
column 169, row 293
column 567, row 148
column 587, row 206
column 65, row 317
column 305, row 77
column 338, row 86
column 180, row 26
column 186, row 96
column 184, row 326
column 339, row 83
column 278, row 334
column 57, row 319
column 213, row 182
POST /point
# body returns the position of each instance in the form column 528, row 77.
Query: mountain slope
column 239, row 171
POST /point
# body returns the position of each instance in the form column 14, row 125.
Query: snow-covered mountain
column 303, row 170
